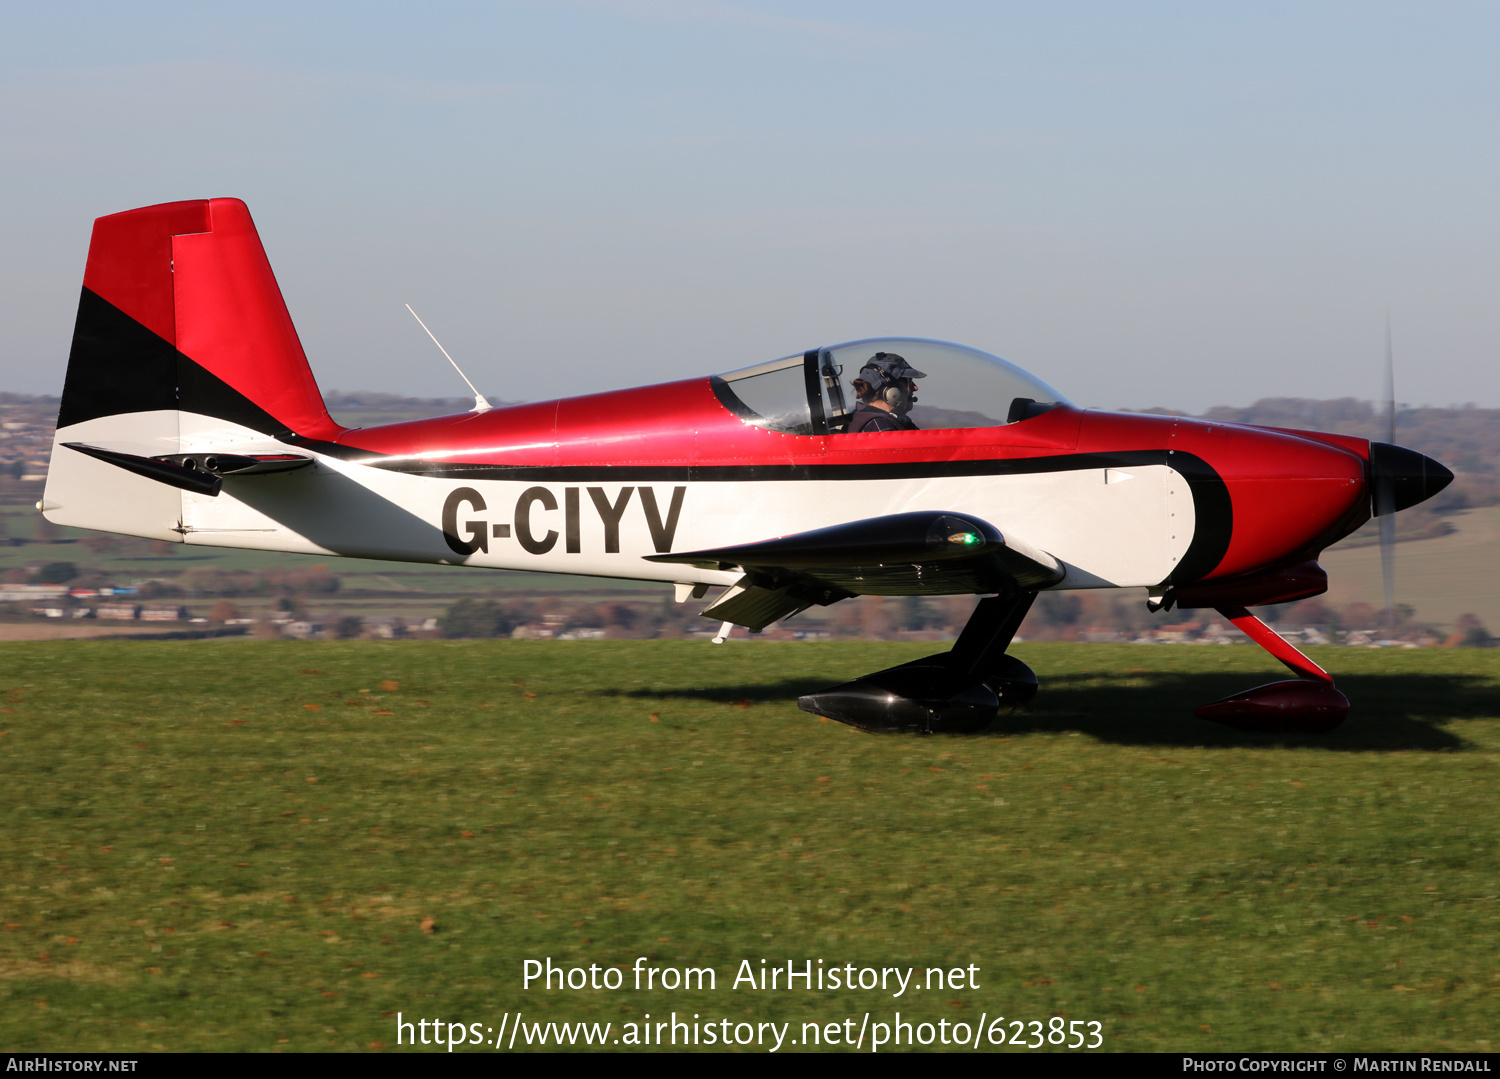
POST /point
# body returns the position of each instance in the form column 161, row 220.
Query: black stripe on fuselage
column 872, row 470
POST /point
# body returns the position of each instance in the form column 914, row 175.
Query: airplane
column 190, row 414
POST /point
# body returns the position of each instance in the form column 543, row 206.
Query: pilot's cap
column 888, row 367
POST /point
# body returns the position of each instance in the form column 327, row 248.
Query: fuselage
column 591, row 485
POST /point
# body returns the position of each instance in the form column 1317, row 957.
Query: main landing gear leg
column 952, row 692
column 1308, row 703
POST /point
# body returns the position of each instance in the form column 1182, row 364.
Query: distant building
column 582, row 633
column 1179, row 633
column 11, row 593
column 163, row 614
column 1306, row 635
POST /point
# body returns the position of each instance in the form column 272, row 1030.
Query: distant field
column 360, row 573
column 1442, row 578
column 368, row 588
column 280, row 845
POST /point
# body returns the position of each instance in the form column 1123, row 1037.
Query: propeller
column 1399, row 478
column 1385, row 494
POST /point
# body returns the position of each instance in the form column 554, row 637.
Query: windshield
column 816, row 392
column 775, row 395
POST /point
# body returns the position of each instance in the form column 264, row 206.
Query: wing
column 903, row 554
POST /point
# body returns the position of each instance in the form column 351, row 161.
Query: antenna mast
column 480, row 404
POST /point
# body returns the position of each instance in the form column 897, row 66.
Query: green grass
column 194, row 859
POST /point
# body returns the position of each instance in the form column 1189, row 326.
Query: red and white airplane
column 190, row 414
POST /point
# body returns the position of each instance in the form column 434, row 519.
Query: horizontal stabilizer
column 173, row 475
column 238, row 464
column 923, row 553
column 200, row 473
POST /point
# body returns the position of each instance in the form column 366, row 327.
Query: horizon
column 334, row 397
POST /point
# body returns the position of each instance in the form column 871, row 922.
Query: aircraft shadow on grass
column 1388, row 713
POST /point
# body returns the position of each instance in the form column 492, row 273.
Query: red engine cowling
column 1283, row 586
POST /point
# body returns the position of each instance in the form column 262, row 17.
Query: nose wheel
column 1308, row 703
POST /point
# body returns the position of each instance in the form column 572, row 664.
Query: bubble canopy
column 812, row 393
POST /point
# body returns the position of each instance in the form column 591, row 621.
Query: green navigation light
column 968, row 539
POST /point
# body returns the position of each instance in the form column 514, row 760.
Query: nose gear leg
column 1308, row 703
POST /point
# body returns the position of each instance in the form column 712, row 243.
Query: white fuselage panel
column 1110, row 527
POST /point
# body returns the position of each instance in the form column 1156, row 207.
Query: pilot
column 886, row 393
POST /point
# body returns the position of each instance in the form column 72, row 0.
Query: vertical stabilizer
column 182, row 340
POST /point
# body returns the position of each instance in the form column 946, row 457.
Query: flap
column 754, row 607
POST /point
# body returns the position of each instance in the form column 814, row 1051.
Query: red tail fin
column 180, row 311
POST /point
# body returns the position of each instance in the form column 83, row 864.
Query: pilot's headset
column 887, row 372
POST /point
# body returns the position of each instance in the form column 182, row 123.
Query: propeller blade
column 1388, row 568
column 1390, row 385
column 1385, row 495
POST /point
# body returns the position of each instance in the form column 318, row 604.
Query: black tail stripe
column 117, row 366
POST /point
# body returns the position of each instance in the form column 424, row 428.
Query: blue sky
column 1146, row 204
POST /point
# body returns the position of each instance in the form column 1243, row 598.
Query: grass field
column 276, row 845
